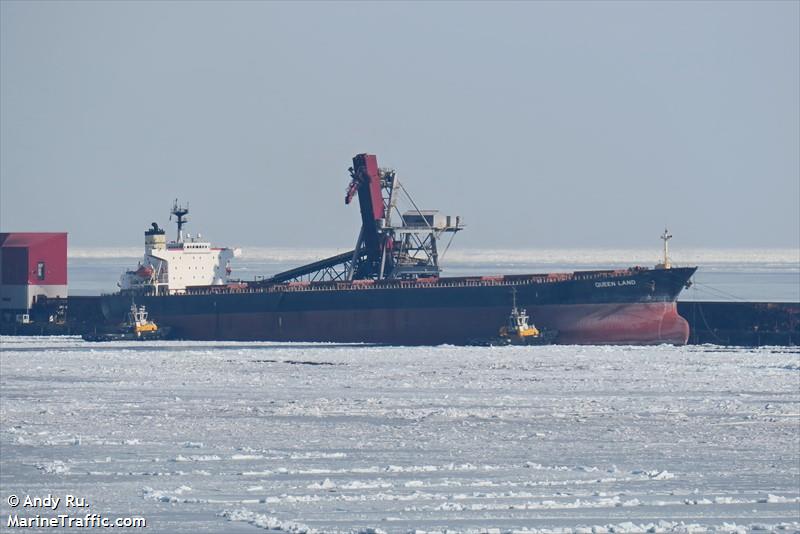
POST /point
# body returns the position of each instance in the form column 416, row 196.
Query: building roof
column 28, row 239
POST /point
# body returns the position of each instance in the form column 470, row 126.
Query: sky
column 574, row 124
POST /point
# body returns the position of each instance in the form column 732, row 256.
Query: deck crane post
column 392, row 251
column 387, row 248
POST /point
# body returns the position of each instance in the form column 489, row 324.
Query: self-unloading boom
column 384, row 250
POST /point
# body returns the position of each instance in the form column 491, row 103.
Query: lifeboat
column 145, row 272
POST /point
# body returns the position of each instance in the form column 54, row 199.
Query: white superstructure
column 171, row 267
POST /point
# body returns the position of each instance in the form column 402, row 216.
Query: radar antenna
column 180, row 213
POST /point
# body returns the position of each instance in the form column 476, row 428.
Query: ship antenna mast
column 666, row 236
column 180, row 213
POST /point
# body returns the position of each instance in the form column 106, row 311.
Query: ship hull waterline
column 593, row 324
column 632, row 308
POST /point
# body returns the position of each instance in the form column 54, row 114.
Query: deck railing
column 468, row 281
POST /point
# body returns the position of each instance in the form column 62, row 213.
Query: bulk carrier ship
column 389, row 288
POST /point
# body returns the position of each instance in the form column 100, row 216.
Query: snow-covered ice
column 255, row 437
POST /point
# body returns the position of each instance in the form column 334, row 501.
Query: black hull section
column 749, row 324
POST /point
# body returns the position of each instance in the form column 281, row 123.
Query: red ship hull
column 619, row 324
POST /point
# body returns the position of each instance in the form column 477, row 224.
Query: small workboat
column 518, row 331
column 137, row 327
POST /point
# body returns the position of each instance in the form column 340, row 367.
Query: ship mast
column 180, row 213
column 666, row 236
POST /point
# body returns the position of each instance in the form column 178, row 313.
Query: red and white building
column 32, row 264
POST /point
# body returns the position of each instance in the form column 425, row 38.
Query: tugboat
column 136, row 328
column 518, row 331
